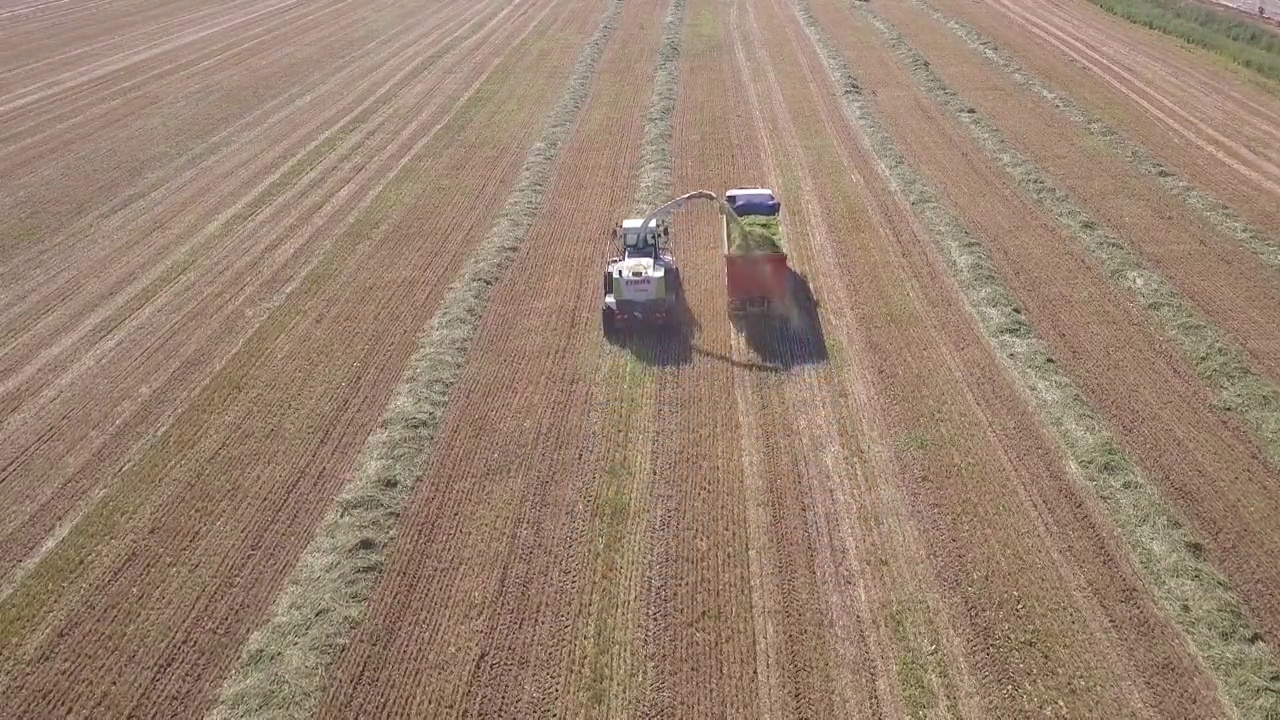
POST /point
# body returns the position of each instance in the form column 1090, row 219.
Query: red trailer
column 757, row 281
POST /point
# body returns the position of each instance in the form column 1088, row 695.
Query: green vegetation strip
column 655, row 152
column 1221, row 366
column 1240, row 41
column 1214, row 211
column 921, row 659
column 1187, row 587
column 282, row 668
column 615, row 677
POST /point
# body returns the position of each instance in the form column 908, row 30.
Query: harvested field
column 306, row 408
column 1200, row 120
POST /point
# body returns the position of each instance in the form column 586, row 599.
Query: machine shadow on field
column 792, row 336
column 669, row 345
column 745, row 365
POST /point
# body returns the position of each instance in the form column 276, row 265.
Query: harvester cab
column 642, row 283
column 643, row 243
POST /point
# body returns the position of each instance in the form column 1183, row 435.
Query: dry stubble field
column 305, row 409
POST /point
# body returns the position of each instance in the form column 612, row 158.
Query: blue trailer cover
column 761, row 203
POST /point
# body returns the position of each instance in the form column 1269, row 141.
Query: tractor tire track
column 1227, row 511
column 873, row 631
column 305, row 221
column 126, row 92
column 1191, row 107
column 145, row 60
column 697, row 636
column 139, row 151
column 847, row 646
column 43, row 46
column 217, row 241
column 1206, row 205
column 218, row 168
column 539, row 542
column 611, row 665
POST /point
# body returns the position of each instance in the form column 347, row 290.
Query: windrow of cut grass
column 283, row 666
column 1217, row 362
column 1186, row 586
column 693, row 566
column 1235, row 39
column 1216, row 212
column 655, row 151
column 617, row 672
column 145, row 479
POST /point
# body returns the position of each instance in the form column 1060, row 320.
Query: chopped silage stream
column 761, row 234
column 282, row 668
column 1186, row 586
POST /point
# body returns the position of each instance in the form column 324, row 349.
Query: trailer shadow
column 791, row 337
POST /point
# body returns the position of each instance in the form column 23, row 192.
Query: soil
column 499, row 568
column 1209, row 124
column 700, row 640
column 952, row 415
column 196, row 264
column 261, row 371
column 1200, row 457
column 232, row 222
column 1219, row 277
column 1124, row 368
